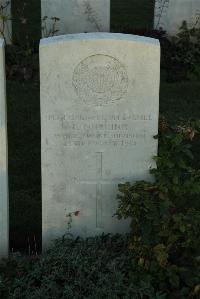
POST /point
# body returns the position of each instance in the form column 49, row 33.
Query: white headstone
column 3, row 160
column 99, row 113
column 5, row 21
column 169, row 14
column 76, row 16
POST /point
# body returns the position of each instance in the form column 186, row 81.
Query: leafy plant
column 49, row 31
column 165, row 216
column 181, row 53
column 70, row 218
column 161, row 7
column 91, row 14
column 93, row 268
column 22, row 61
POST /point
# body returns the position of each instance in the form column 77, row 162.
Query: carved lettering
column 117, row 130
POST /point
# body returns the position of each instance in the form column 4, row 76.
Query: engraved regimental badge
column 100, row 80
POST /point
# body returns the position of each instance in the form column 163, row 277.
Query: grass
column 177, row 100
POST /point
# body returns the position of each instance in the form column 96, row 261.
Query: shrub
column 181, row 54
column 165, row 216
column 74, row 268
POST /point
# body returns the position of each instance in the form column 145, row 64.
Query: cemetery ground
column 178, row 101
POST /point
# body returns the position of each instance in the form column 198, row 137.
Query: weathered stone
column 76, row 16
column 170, row 14
column 99, row 113
column 5, row 21
column 3, row 160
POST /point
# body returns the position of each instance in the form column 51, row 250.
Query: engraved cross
column 99, row 193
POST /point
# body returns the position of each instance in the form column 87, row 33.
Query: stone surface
column 174, row 12
column 6, row 27
column 99, row 113
column 3, row 160
column 77, row 16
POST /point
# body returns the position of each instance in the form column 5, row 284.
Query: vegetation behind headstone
column 165, row 228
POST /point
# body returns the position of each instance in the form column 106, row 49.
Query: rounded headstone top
column 98, row 35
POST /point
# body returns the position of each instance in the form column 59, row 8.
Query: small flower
column 190, row 133
column 77, row 213
column 163, row 124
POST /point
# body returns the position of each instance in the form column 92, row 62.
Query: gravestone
column 76, row 16
column 169, row 14
column 3, row 160
column 99, row 113
column 5, row 21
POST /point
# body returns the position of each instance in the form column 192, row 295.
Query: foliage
column 161, row 8
column 49, row 31
column 22, row 57
column 91, row 15
column 159, row 259
column 70, row 218
column 165, row 216
column 22, row 61
column 181, row 53
column 74, row 268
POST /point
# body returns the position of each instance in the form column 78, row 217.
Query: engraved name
column 79, row 130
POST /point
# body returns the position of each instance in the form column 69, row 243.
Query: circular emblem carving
column 100, row 79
